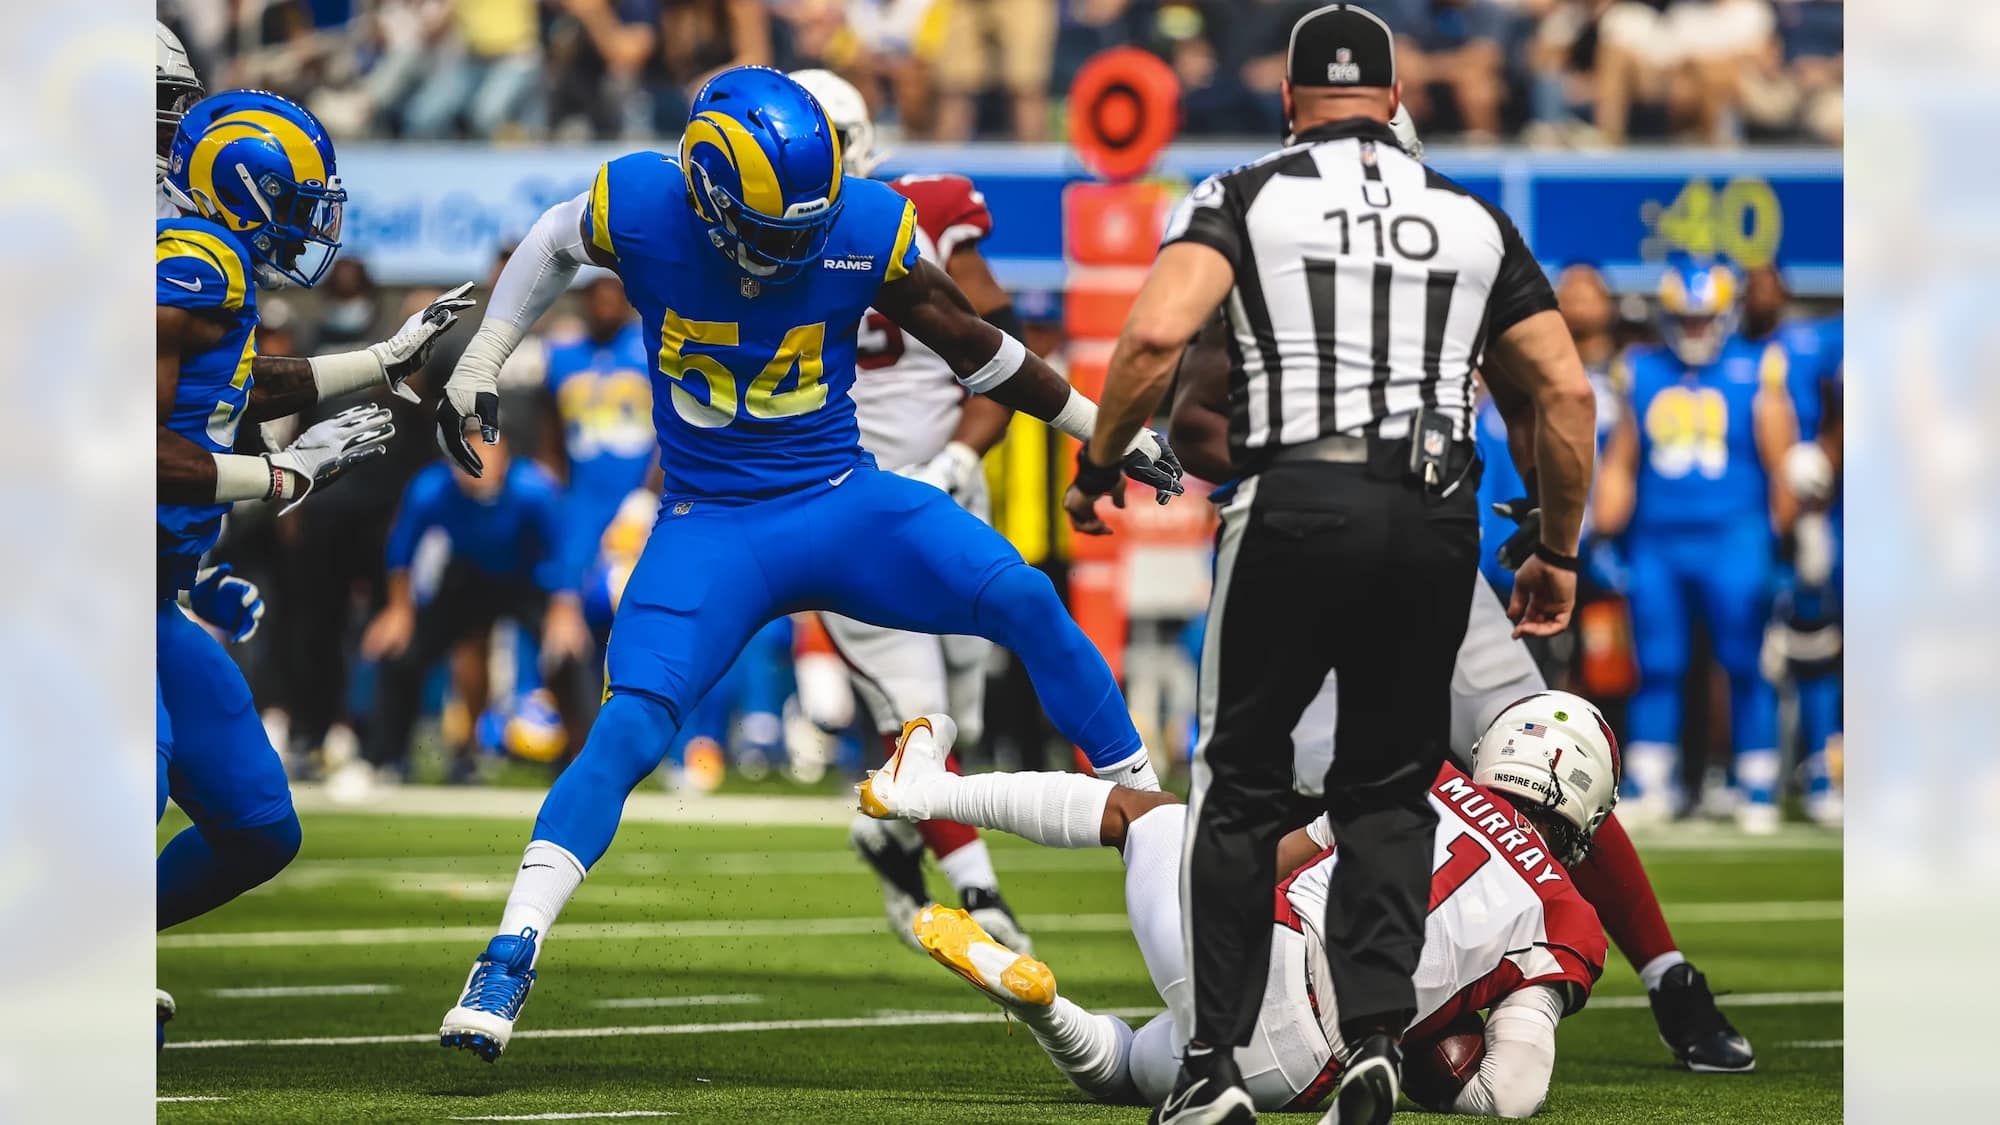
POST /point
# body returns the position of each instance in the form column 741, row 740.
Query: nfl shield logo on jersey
column 749, row 287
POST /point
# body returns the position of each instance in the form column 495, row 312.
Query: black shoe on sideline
column 1370, row 1079
column 1208, row 1091
column 1694, row 1029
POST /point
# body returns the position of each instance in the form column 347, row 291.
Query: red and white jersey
column 1504, row 913
column 906, row 398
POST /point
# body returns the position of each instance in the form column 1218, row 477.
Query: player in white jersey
column 1507, row 931
column 917, row 420
column 176, row 87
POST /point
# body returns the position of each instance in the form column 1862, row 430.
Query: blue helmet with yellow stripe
column 763, row 169
column 1698, row 308
column 263, row 166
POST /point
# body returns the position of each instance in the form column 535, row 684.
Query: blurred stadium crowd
column 1583, row 73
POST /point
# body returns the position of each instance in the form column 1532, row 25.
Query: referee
column 1361, row 289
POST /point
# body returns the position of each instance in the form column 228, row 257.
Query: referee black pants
column 1325, row 566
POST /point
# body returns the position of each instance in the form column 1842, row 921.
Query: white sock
column 971, row 866
column 1135, row 772
column 1652, row 765
column 1654, row 971
column 1093, row 1051
column 1058, row 810
column 1757, row 772
column 549, row 874
column 1153, row 848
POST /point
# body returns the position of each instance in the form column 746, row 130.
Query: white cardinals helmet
column 1552, row 753
column 177, row 87
column 848, row 111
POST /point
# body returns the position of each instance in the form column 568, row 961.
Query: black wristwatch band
column 1093, row 479
column 1549, row 555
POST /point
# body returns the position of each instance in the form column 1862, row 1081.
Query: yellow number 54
column 801, row 350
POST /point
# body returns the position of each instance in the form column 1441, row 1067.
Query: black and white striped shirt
column 1367, row 285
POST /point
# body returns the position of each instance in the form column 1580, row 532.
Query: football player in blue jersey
column 751, row 258
column 254, row 178
column 601, row 389
column 1809, row 635
column 1693, row 478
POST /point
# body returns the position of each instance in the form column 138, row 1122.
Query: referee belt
column 1358, row 449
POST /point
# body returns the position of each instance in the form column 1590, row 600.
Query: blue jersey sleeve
column 903, row 252
column 197, row 266
column 421, row 510
column 624, row 196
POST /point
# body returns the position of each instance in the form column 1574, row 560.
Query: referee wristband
column 1557, row 559
column 1093, row 479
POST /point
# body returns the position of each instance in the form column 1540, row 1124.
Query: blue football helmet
column 1698, row 308
column 262, row 166
column 763, row 169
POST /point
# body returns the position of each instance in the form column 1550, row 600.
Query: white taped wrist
column 486, row 353
column 241, row 477
column 1004, row 365
column 346, row 372
column 1077, row 418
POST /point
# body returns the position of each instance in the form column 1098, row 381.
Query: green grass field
column 726, row 973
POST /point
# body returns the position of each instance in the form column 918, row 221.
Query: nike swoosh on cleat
column 834, row 481
column 1174, row 1105
column 191, row 286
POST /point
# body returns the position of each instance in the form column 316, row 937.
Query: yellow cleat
column 956, row 941
column 895, row 789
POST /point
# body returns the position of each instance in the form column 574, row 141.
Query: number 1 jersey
column 1503, row 912
column 751, row 381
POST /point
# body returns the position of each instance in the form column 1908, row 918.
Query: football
column 1438, row 1067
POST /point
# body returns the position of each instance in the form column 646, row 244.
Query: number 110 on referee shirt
column 1412, row 237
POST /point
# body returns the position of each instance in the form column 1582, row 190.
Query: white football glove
column 1808, row 473
column 327, row 450
column 473, row 392
column 405, row 353
column 954, row 470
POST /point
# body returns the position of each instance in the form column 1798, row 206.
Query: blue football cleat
column 483, row 1019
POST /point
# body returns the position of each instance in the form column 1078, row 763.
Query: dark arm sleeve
column 1520, row 289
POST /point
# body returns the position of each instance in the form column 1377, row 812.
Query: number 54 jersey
column 1698, row 463
column 751, row 386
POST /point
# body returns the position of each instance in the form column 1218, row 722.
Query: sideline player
column 256, row 180
column 1693, row 479
column 752, row 258
column 919, row 421
column 1506, row 930
column 176, row 87
column 1493, row 669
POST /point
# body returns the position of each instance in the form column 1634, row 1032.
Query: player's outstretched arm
column 285, row 385
column 1513, row 1078
column 541, row 267
column 928, row 305
column 189, row 474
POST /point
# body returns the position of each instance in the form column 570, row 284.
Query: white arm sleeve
column 1513, row 1078
column 542, row 267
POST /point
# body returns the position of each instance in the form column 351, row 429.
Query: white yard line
column 904, row 1019
column 1727, row 1000
column 191, row 1098
column 288, row 991
column 1695, row 913
column 523, row 804
column 1817, row 1044
column 680, row 1001
column 571, row 1115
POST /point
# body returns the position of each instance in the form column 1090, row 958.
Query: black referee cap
column 1341, row 45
